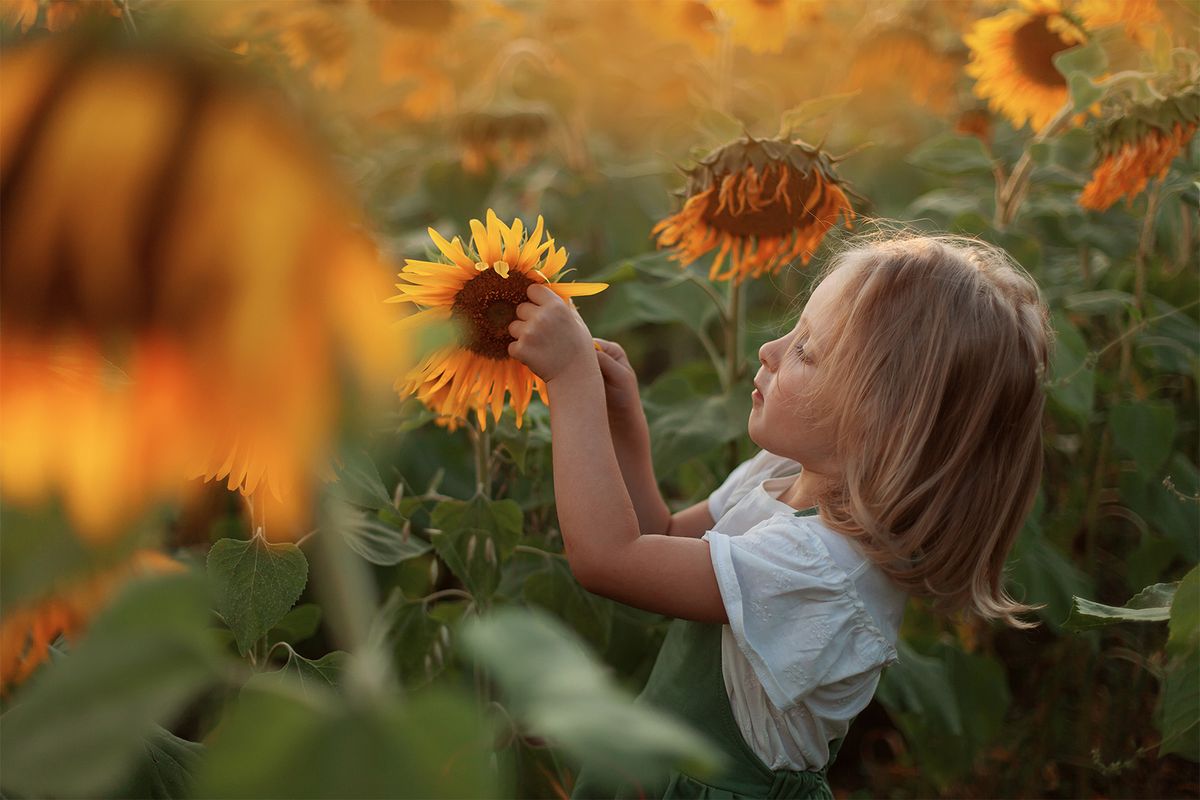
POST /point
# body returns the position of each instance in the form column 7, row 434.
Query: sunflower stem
column 1013, row 192
column 1145, row 245
column 733, row 351
column 481, row 438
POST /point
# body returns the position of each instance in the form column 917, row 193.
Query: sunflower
column 478, row 289
column 321, row 39
column 183, row 288
column 762, row 26
column 1012, row 60
column 689, row 21
column 903, row 61
column 500, row 136
column 763, row 202
column 28, row 630
column 1139, row 144
column 1137, row 16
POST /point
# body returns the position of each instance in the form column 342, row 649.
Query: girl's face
column 778, row 421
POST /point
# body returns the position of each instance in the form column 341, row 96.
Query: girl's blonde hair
column 932, row 371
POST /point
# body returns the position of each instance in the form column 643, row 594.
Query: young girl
column 900, row 427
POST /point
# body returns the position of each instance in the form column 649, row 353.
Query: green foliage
column 1152, row 604
column 257, row 582
column 949, row 704
column 475, row 538
column 78, row 728
column 1179, row 708
column 949, row 154
column 554, row 686
column 282, row 741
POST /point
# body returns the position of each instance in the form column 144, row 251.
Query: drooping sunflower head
column 477, row 288
column 502, row 136
column 1137, row 143
column 760, row 202
column 1012, row 60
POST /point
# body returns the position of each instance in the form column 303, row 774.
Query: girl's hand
column 620, row 388
column 551, row 338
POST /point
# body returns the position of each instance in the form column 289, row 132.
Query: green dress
column 687, row 681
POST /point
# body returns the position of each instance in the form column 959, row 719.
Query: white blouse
column 812, row 622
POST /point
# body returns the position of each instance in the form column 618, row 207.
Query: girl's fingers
column 525, row 310
column 613, row 350
column 516, row 328
column 541, row 295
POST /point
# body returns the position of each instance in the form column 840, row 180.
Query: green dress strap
column 688, row 682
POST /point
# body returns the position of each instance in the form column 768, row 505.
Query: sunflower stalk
column 1010, row 195
column 1145, row 245
column 481, row 439
column 733, row 351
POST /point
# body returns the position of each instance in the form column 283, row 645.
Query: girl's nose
column 766, row 354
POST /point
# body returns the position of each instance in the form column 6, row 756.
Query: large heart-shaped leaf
column 256, row 582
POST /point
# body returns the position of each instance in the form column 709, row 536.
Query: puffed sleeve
column 794, row 613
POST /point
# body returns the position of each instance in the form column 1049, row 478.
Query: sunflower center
column 1034, row 47
column 484, row 307
column 767, row 208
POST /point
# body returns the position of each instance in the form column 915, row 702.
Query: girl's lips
column 756, row 395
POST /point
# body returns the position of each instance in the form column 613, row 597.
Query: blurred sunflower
column 1137, row 16
column 28, row 630
column 318, row 38
column 1138, row 144
column 902, row 61
column 478, row 289
column 502, row 136
column 1012, row 60
column 762, row 202
column 689, row 21
column 182, row 288
column 763, row 26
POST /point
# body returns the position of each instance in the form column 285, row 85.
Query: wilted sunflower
column 182, row 287
column 762, row 202
column 28, row 630
column 501, row 136
column 1139, row 144
column 479, row 288
column 1012, row 60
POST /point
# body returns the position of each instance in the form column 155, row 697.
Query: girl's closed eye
column 800, row 351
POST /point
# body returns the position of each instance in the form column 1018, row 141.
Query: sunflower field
column 277, row 511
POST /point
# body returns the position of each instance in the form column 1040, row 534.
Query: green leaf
column 475, row 537
column 685, row 425
column 166, row 768
column 1038, row 573
column 555, row 686
column 1072, row 376
column 1152, row 604
column 419, row 642
column 1144, row 432
column 256, row 583
column 949, row 705
column 281, row 742
column 1083, row 92
column 949, row 154
column 1180, row 707
column 78, row 727
column 377, row 540
column 1087, row 60
column 1185, row 616
column 358, row 481
column 324, row 673
column 556, row 590
column 297, row 625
